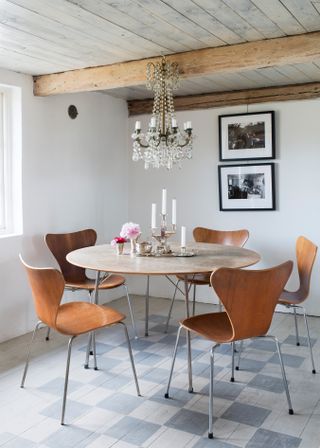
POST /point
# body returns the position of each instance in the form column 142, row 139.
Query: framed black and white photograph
column 247, row 187
column 247, row 136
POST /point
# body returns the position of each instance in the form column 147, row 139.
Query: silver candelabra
column 161, row 235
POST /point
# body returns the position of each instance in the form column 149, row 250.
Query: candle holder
column 161, row 235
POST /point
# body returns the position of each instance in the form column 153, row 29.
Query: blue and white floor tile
column 103, row 409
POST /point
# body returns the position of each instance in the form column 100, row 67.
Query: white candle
column 153, row 122
column 174, row 123
column 183, row 236
column 174, row 212
column 164, row 202
column 153, row 216
column 189, row 125
column 138, row 125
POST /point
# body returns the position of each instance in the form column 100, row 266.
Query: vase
column 119, row 248
column 133, row 245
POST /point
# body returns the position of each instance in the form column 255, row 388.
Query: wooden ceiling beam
column 233, row 98
column 195, row 63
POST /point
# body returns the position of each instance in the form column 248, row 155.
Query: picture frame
column 246, row 187
column 247, row 136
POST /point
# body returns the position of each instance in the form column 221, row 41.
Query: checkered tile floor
column 104, row 411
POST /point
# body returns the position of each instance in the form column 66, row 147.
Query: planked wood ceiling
column 40, row 37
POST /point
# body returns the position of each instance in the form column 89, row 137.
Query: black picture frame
column 247, row 136
column 247, row 187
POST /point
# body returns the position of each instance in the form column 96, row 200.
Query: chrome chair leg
column 131, row 358
column 240, row 347
column 233, row 347
column 65, row 390
column 94, row 349
column 284, row 376
column 88, row 351
column 90, row 348
column 309, row 340
column 166, row 395
column 296, row 325
column 188, row 337
column 131, row 312
column 36, row 328
column 283, row 372
column 194, row 300
column 48, row 334
column 210, row 430
column 171, row 306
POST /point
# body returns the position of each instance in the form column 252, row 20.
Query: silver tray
column 183, row 254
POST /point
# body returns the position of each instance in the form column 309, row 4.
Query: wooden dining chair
column 249, row 298
column 204, row 235
column 60, row 244
column 306, row 252
column 71, row 319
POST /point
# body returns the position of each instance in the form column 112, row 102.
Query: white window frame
column 10, row 161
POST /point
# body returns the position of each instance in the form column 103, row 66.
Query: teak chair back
column 250, row 297
column 306, row 252
column 47, row 287
column 204, row 235
column 226, row 237
column 60, row 244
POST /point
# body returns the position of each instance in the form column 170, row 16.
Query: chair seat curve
column 113, row 281
column 289, row 298
column 196, row 279
column 80, row 317
column 212, row 326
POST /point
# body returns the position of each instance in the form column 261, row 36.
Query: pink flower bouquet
column 130, row 230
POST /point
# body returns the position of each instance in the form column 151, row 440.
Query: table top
column 208, row 257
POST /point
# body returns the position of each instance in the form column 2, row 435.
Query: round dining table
column 200, row 258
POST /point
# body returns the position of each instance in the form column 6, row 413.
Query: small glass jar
column 119, row 248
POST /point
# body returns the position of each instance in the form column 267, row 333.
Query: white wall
column 78, row 173
column 74, row 176
column 272, row 233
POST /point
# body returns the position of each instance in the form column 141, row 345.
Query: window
column 10, row 161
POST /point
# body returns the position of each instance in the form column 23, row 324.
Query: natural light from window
column 10, row 161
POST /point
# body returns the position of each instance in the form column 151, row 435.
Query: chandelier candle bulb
column 183, row 236
column 153, row 122
column 164, row 202
column 138, row 125
column 189, row 125
column 174, row 123
column 174, row 212
column 153, row 216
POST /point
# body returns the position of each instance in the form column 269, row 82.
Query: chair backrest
column 227, row 237
column 47, row 286
column 250, row 297
column 306, row 252
column 60, row 244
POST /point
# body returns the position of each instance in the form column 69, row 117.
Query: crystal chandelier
column 163, row 144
